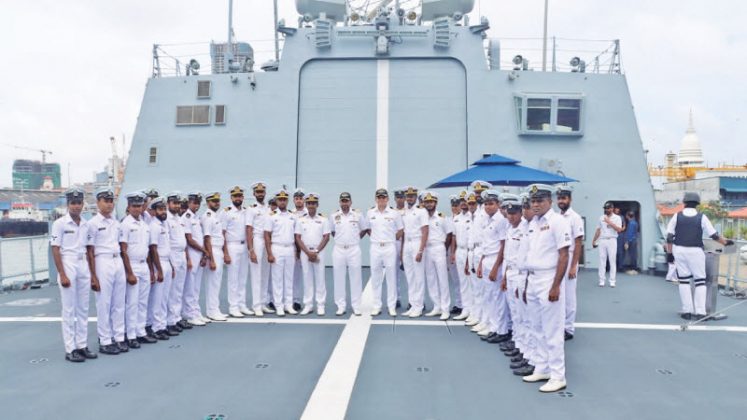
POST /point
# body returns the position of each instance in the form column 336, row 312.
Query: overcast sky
column 75, row 70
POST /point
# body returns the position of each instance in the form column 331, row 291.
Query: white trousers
column 495, row 310
column 298, row 291
column 401, row 276
column 74, row 300
column 314, row 283
column 455, row 281
column 437, row 277
column 690, row 266
column 136, row 300
column 158, row 298
column 193, row 282
column 110, row 299
column 414, row 274
column 260, row 274
column 176, row 291
column 213, row 280
column 282, row 274
column 347, row 260
column 465, row 280
column 236, row 275
column 383, row 265
column 530, row 343
column 516, row 307
column 570, row 301
column 548, row 322
column 478, row 287
column 607, row 250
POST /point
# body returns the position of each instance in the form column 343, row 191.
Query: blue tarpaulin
column 500, row 170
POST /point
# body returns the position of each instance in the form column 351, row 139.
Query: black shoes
column 123, row 347
column 296, row 306
column 519, row 364
column 568, row 336
column 184, row 324
column 88, row 354
column 74, row 357
column 146, row 340
column 398, row 305
column 507, row 345
column 455, row 310
column 519, row 357
column 488, row 337
column 512, row 353
column 686, row 317
column 133, row 343
column 271, row 306
column 111, row 349
column 499, row 338
column 524, row 371
column 171, row 331
column 161, row 335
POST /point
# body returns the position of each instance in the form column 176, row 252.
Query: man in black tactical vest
column 685, row 243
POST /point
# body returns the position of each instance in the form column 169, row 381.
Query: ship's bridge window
column 203, row 89
column 193, row 115
column 549, row 114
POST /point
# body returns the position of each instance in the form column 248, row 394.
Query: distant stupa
column 691, row 155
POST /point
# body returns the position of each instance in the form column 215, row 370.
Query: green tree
column 713, row 210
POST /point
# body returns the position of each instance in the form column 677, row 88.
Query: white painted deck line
column 331, row 396
column 295, row 320
column 382, row 123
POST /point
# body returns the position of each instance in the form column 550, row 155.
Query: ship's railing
column 594, row 55
column 171, row 60
column 733, row 271
column 24, row 261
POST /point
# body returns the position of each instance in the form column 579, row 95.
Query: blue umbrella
column 500, row 170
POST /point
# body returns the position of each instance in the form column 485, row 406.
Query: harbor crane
column 43, row 152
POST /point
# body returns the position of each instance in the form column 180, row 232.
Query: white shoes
column 536, row 377
column 471, row 322
column 484, row 332
column 258, row 312
column 434, row 312
column 464, row 315
column 235, row 313
column 247, row 311
column 444, row 316
column 601, row 284
column 553, row 385
column 478, row 327
column 197, row 322
column 320, row 310
column 290, row 311
column 392, row 312
column 376, row 312
column 204, row 318
column 340, row 312
column 415, row 314
column 307, row 310
column 612, row 284
column 266, row 309
column 356, row 312
column 218, row 317
column 280, row 312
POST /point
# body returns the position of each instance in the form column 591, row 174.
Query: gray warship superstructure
column 385, row 100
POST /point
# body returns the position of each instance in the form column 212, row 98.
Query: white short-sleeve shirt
column 413, row 219
column 606, row 230
column 69, row 236
column 494, row 232
column 177, row 238
column 705, row 224
column 103, row 234
column 577, row 226
column 384, row 225
column 312, row 230
column 281, row 224
column 547, row 235
column 212, row 226
column 136, row 234
column 347, row 227
column 439, row 227
column 159, row 236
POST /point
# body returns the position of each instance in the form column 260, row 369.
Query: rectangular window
column 153, row 155
column 220, row 114
column 549, row 114
column 193, row 115
column 203, row 89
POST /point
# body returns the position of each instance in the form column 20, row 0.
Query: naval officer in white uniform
column 68, row 240
column 415, row 231
column 610, row 225
column 212, row 229
column 281, row 253
column 347, row 226
column 237, row 259
column 564, row 198
column 385, row 227
column 312, row 234
column 440, row 230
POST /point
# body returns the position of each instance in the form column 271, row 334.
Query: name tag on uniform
column 102, row 228
column 69, row 231
column 545, row 227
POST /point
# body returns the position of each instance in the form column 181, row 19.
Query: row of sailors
column 151, row 291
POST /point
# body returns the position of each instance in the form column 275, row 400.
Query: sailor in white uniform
column 107, row 274
column 299, row 210
column 547, row 263
column 256, row 215
column 348, row 226
column 399, row 205
column 385, row 227
column 280, row 247
column 605, row 237
column 134, row 238
column 179, row 261
column 685, row 234
column 68, row 240
column 160, row 257
column 212, row 229
column 195, row 247
column 474, row 234
column 237, row 258
column 414, row 240
column 440, row 231
column 460, row 255
column 564, row 198
column 482, row 284
column 454, row 284
column 312, row 234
